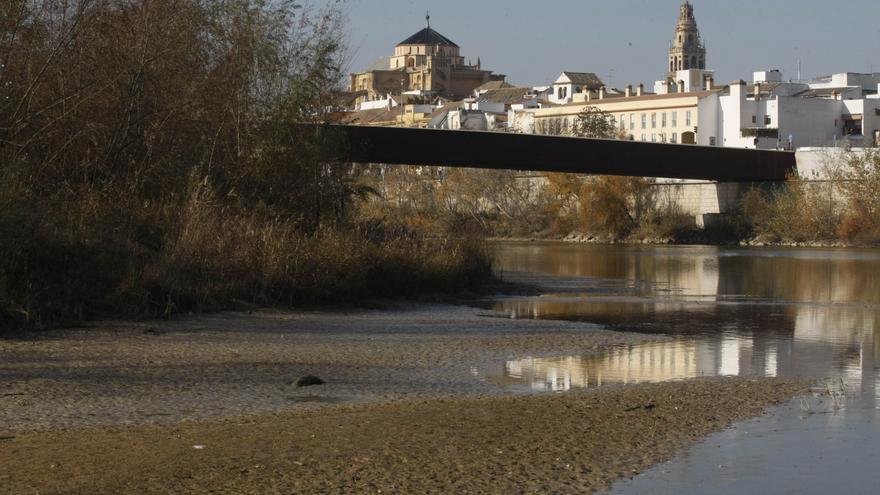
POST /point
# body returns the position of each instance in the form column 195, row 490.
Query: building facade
column 669, row 118
column 767, row 113
column 426, row 64
column 827, row 112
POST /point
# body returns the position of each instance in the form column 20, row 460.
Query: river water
column 755, row 312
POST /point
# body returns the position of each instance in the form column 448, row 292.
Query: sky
column 626, row 41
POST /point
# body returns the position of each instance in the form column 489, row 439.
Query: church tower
column 687, row 50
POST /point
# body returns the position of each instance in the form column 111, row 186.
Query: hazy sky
column 626, row 41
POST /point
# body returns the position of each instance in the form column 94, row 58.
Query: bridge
column 528, row 152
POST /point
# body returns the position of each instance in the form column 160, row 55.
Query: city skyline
column 620, row 47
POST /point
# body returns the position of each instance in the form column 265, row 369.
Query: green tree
column 592, row 122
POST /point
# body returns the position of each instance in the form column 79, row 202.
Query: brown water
column 809, row 313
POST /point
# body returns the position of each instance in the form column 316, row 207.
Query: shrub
column 153, row 164
column 615, row 206
column 858, row 178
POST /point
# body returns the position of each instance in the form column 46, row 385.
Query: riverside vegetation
column 844, row 209
column 149, row 164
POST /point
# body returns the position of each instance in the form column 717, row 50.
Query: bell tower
column 687, row 50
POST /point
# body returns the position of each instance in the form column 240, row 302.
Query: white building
column 569, row 84
column 386, row 103
column 829, row 111
column 767, row 113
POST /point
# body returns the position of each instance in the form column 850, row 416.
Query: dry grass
column 846, row 208
column 144, row 174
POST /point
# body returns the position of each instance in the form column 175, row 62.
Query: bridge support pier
column 708, row 202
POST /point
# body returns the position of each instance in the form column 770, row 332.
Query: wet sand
column 231, row 364
column 121, row 408
column 567, row 443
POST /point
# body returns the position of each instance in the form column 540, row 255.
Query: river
column 755, row 312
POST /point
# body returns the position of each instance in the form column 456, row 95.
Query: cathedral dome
column 427, row 36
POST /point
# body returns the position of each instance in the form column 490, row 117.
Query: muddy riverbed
column 237, row 363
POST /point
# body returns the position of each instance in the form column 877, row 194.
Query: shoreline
column 752, row 242
column 576, row 442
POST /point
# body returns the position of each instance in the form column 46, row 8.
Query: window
column 674, row 119
column 687, row 118
column 662, row 137
column 754, row 119
column 644, row 121
column 767, row 120
column 632, row 121
column 623, row 122
column 653, row 121
column 653, row 138
column 674, row 138
column 643, row 137
column 711, row 140
column 663, row 120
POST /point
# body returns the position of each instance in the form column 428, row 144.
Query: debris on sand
column 308, row 381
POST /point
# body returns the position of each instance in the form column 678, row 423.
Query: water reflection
column 709, row 273
column 632, row 364
column 747, row 312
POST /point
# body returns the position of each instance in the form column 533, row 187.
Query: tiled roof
column 507, row 95
column 427, row 36
column 494, row 85
column 372, row 116
column 587, row 79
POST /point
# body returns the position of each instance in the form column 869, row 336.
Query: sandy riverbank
column 230, row 364
column 412, row 404
column 568, row 443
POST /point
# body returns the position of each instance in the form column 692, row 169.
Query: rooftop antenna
column 428, row 19
column 799, row 71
